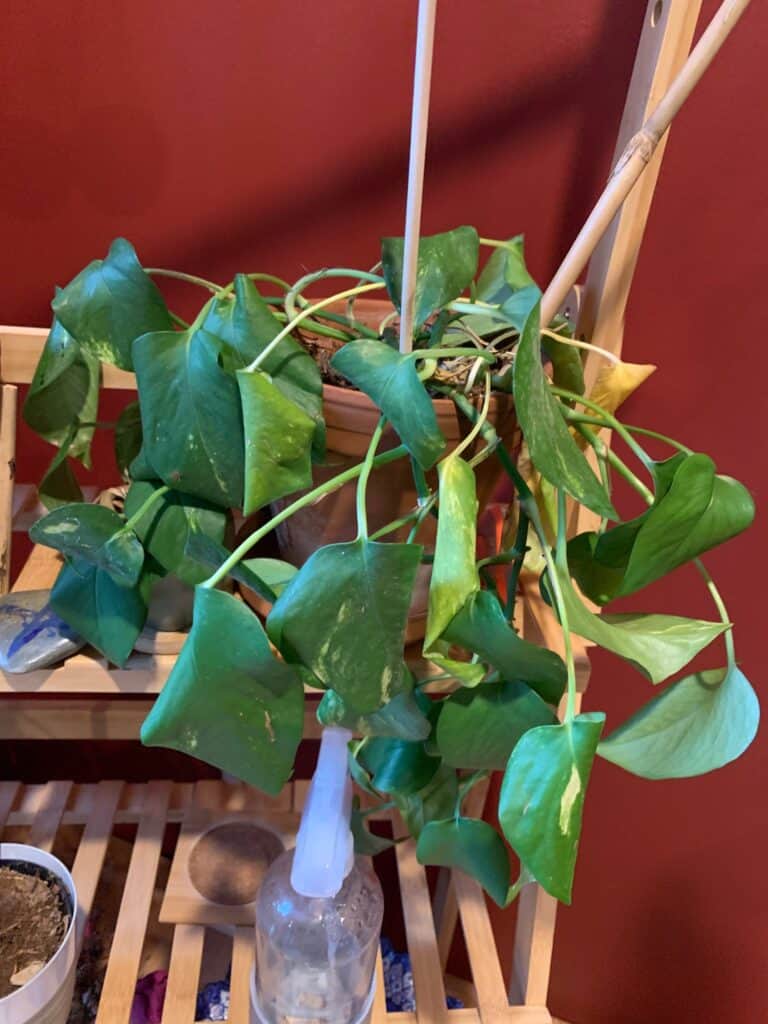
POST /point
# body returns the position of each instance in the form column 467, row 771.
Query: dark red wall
column 233, row 136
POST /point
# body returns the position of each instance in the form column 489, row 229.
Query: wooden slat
column 89, row 859
column 8, row 792
column 8, row 399
column 422, row 940
column 664, row 45
column 67, row 719
column 242, row 965
column 183, row 974
column 492, row 1001
column 52, row 801
column 20, row 349
column 128, row 939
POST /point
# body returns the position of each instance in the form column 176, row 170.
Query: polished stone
column 32, row 636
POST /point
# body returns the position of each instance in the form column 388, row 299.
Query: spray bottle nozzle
column 324, row 847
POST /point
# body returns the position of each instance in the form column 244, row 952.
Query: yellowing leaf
column 617, row 381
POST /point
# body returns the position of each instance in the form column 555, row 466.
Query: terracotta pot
column 351, row 419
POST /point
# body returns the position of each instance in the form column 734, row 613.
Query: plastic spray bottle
column 319, row 911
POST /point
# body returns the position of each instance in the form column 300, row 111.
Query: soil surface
column 34, row 918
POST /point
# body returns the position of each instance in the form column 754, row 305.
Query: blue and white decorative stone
column 32, row 636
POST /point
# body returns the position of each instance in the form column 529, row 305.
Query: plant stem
column 575, row 417
column 553, row 580
column 178, row 275
column 293, row 324
column 451, row 353
column 494, row 243
column 575, row 343
column 362, row 480
column 521, row 546
column 606, row 454
column 139, row 513
column 723, row 611
column 294, row 292
column 178, row 320
column 285, row 285
column 478, row 425
column 396, row 524
column 306, row 499
column 610, row 421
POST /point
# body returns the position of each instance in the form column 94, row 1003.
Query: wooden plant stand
column 86, row 698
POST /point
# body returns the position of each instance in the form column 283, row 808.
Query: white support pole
column 419, row 116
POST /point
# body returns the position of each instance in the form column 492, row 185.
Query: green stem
column 606, row 454
column 306, row 499
column 452, row 353
column 730, row 648
column 293, row 324
column 137, row 515
column 421, row 515
column 553, row 580
column 285, row 285
column 478, row 423
column 610, row 421
column 595, row 421
column 178, row 320
column 362, row 480
column 396, row 524
column 521, row 546
column 494, row 243
column 178, row 275
column 492, row 439
column 293, row 295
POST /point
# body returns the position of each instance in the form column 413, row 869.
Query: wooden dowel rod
column 637, row 153
column 422, row 76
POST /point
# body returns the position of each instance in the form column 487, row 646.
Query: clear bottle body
column 315, row 957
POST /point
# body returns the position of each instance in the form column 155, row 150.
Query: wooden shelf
column 48, row 815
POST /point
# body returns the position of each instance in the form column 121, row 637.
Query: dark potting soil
column 34, row 917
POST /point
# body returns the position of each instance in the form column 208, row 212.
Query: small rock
column 32, row 636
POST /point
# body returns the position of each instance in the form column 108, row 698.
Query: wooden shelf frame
column 86, row 698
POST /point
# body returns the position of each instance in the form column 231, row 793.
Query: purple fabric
column 148, row 998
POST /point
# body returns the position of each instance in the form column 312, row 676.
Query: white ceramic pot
column 47, row 998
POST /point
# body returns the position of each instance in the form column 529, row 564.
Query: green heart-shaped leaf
column 436, row 801
column 228, row 699
column 111, row 302
column 479, row 728
column 446, row 265
column 366, row 843
column 391, row 381
column 246, row 326
column 657, row 645
column 278, row 442
column 95, row 534
column 553, row 450
column 481, row 627
column 167, row 526
column 316, row 620
column 472, row 846
column 542, row 797
column 397, row 766
column 696, row 725
column 454, row 571
column 108, row 615
column 190, row 410
column 64, row 394
column 59, row 485
column 504, row 273
column 128, row 436
column 694, row 510
column 401, row 718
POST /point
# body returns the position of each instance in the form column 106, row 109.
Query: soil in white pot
column 34, row 917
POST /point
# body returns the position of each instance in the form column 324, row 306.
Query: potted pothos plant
column 231, row 419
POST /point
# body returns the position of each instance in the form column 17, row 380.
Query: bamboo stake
column 422, row 74
column 637, row 153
